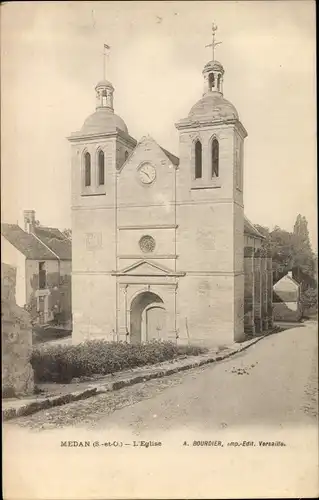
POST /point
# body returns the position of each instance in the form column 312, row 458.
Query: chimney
column 289, row 274
column 29, row 220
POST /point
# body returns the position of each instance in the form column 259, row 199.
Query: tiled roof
column 172, row 157
column 249, row 228
column 55, row 240
column 32, row 248
column 26, row 243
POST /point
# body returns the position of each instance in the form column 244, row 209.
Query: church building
column 161, row 248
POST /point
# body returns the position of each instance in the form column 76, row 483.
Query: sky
column 52, row 57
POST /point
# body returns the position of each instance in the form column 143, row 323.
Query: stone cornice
column 148, row 274
column 187, row 124
column 154, row 257
column 149, row 226
column 78, row 137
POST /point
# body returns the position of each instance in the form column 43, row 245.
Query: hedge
column 62, row 363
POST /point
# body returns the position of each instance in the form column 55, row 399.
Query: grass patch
column 62, row 363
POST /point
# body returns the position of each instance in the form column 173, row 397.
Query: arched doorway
column 147, row 318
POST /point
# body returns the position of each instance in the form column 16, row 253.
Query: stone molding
column 154, row 256
column 154, row 270
column 147, row 205
column 78, row 137
column 188, row 123
column 148, row 226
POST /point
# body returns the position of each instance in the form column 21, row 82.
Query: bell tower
column 99, row 149
column 210, row 211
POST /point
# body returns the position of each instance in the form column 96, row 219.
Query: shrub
column 63, row 362
column 309, row 298
column 8, row 392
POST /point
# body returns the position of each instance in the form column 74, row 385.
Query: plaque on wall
column 93, row 241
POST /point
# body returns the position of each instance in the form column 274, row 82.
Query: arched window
column 215, row 158
column 211, row 80
column 125, row 155
column 101, row 168
column 198, row 160
column 87, row 169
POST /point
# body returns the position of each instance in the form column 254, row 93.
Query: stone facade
column 17, row 373
column 158, row 241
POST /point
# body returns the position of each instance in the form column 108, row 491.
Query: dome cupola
column 103, row 120
column 212, row 107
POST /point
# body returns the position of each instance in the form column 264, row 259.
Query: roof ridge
column 48, row 248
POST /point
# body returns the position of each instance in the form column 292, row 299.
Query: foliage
column 8, row 392
column 63, row 362
column 291, row 251
column 304, row 257
column 309, row 298
column 67, row 232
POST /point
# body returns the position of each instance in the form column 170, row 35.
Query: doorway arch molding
column 166, row 293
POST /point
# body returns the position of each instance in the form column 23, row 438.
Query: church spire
column 213, row 71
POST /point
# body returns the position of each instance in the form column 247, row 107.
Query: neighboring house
column 42, row 258
column 252, row 237
column 286, row 298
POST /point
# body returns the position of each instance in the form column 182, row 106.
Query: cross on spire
column 213, row 44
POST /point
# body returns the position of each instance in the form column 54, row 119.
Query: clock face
column 147, row 173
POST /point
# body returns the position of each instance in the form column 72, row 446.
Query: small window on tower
column 211, row 81
column 87, row 169
column 125, row 155
column 215, row 158
column 198, row 160
column 101, row 168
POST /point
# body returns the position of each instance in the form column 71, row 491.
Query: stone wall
column 258, row 291
column 17, row 373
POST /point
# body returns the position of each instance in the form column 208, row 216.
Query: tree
column 301, row 233
column 280, row 245
column 304, row 261
column 291, row 252
column 67, row 233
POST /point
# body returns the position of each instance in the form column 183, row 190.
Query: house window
column 198, row 160
column 101, row 168
column 215, row 158
column 42, row 276
column 87, row 169
column 125, row 155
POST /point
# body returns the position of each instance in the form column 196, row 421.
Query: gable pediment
column 147, row 149
column 146, row 268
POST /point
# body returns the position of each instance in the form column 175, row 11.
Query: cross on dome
column 213, row 71
column 213, row 44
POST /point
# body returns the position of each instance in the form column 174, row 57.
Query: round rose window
column 147, row 244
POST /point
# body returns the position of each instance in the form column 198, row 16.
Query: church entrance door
column 147, row 318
